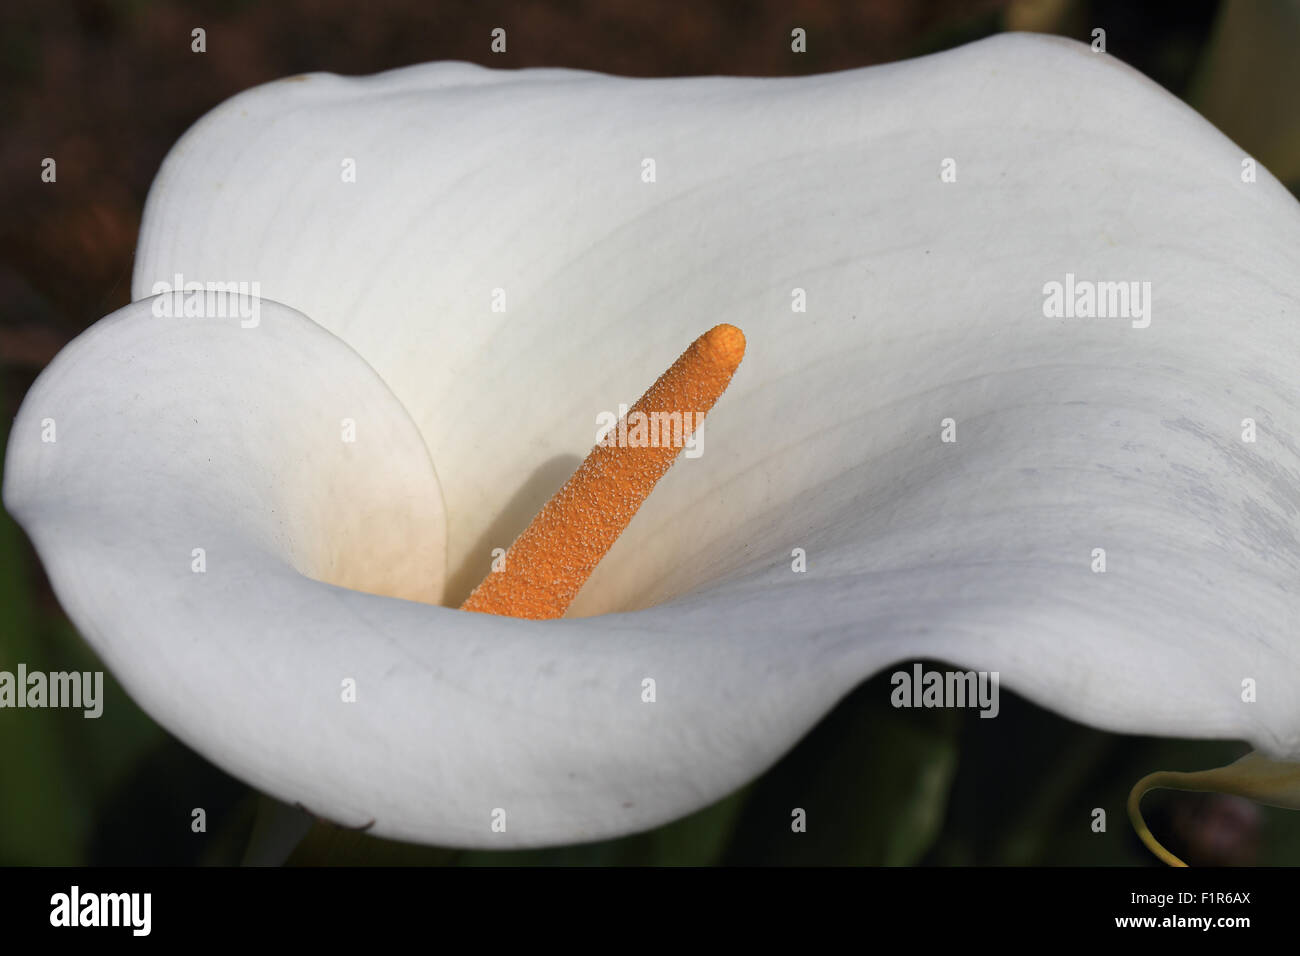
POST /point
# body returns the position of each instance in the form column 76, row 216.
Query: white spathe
column 925, row 302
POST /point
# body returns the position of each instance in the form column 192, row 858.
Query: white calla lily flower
column 469, row 266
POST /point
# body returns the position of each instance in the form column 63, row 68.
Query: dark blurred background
column 106, row 87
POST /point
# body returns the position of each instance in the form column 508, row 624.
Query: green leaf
column 872, row 780
column 1248, row 81
column 44, row 819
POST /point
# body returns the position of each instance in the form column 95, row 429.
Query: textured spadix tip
column 725, row 345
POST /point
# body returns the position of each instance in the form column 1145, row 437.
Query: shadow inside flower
column 535, row 491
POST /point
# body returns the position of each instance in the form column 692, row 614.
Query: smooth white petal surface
column 924, row 302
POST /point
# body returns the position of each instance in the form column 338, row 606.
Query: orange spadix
column 548, row 564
